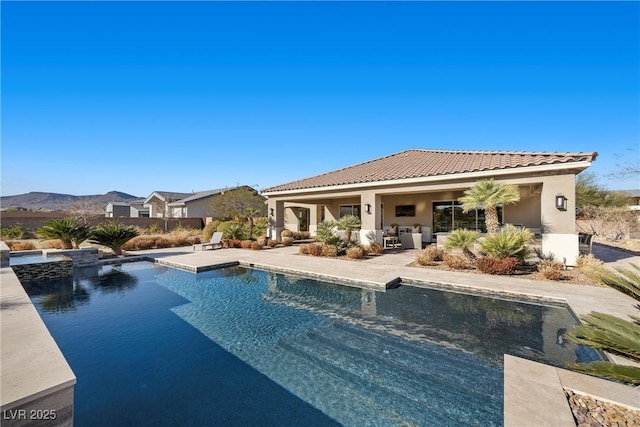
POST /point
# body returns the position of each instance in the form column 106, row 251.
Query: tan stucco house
column 418, row 190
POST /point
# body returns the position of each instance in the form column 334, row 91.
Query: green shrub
column 304, row 249
column 500, row 266
column 14, row 232
column 551, row 270
column 326, row 233
column 455, row 262
column 429, row 255
column 509, row 242
column 463, row 239
column 355, row 252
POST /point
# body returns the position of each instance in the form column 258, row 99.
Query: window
column 349, row 210
column 448, row 216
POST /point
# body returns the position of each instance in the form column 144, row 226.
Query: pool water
column 151, row 345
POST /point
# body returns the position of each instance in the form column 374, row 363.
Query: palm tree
column 609, row 333
column 463, row 239
column 113, row 235
column 488, row 194
column 348, row 223
column 71, row 231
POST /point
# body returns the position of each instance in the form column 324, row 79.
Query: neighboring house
column 634, row 199
column 422, row 187
column 166, row 204
column 132, row 209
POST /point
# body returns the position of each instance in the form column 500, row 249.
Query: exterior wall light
column 561, row 202
column 367, row 208
column 271, row 211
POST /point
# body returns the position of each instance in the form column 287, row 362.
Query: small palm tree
column 489, row 194
column 113, row 235
column 463, row 239
column 325, row 232
column 609, row 333
column 348, row 223
column 71, row 231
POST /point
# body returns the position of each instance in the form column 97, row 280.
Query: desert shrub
column 287, row 241
column 233, row 243
column 179, row 239
column 246, row 244
column 355, row 252
column 375, row 248
column 329, row 250
column 20, row 245
column 256, row 246
column 162, row 242
column 315, row 249
column 272, row 242
column 153, row 229
column 429, row 255
column 551, row 270
column 286, row 233
column 589, row 260
column 455, row 262
column 52, row 244
column 13, row 232
column 463, row 239
column 301, row 235
column 304, row 249
column 509, row 242
column 500, row 266
column 194, row 240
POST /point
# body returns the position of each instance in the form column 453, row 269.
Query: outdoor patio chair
column 216, row 240
column 585, row 243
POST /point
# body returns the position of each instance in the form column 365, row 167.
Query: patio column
column 371, row 214
column 275, row 213
column 559, row 225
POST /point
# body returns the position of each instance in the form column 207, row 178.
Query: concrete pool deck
column 533, row 392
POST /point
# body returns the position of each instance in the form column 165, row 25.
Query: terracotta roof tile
column 423, row 163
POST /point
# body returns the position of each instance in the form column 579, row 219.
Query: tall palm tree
column 71, row 231
column 488, row 194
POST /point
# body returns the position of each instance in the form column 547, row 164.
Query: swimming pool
column 151, row 345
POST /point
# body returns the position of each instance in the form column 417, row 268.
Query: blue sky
column 145, row 96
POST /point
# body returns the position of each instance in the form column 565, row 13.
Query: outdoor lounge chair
column 216, row 240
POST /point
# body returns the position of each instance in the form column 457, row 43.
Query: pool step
column 416, row 389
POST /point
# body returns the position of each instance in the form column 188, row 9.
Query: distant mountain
column 64, row 202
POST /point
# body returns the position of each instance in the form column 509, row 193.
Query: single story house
column 418, row 190
column 167, row 204
column 131, row 209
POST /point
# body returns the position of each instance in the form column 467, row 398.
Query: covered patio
column 415, row 193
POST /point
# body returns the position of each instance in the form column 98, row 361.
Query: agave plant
column 509, row 242
column 609, row 333
column 71, row 231
column 113, row 235
column 489, row 194
column 463, row 239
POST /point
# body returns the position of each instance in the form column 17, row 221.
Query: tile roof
column 423, row 163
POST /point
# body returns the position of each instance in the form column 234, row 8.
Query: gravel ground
column 590, row 412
